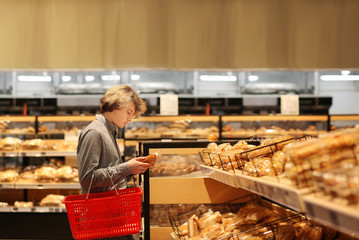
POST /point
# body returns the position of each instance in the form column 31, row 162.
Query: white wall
column 345, row 96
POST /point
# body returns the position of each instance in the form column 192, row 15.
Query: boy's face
column 123, row 116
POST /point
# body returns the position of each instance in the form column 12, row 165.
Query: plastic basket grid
column 105, row 214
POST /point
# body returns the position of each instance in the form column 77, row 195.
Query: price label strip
column 341, row 217
column 269, row 187
column 220, row 176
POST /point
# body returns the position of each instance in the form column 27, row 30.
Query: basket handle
column 88, row 190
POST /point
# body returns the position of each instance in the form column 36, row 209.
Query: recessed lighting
column 253, row 78
column 89, row 78
column 135, row 77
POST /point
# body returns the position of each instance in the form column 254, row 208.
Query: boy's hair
column 120, row 96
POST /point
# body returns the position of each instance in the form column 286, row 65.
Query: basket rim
column 67, row 199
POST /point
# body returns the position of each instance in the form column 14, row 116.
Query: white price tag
column 168, row 104
column 289, row 104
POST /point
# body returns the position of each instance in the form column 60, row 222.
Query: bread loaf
column 151, row 159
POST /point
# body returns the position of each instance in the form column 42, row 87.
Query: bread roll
column 151, row 159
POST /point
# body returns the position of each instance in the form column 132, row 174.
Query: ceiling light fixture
column 339, row 77
column 135, row 77
column 114, row 77
column 89, row 78
column 66, row 78
column 24, row 78
column 219, row 78
column 253, row 78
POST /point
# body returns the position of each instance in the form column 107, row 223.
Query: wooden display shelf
column 142, row 135
column 195, row 190
column 7, row 185
column 18, row 118
column 38, row 153
column 281, row 118
column 334, row 213
column 269, row 133
column 225, row 177
column 161, row 233
column 166, row 135
column 277, row 189
column 177, row 118
column 35, row 209
column 344, row 118
column 66, row 118
column 32, row 184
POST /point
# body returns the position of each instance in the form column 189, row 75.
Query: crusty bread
column 151, row 159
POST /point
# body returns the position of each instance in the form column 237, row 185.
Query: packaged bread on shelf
column 10, row 144
column 4, row 124
column 261, row 166
column 4, row 204
column 224, row 155
column 23, row 204
column 66, row 174
column 68, row 145
column 176, row 165
column 180, row 125
column 45, row 174
column 43, row 128
column 329, row 151
column 224, row 221
column 52, row 200
column 28, row 172
column 269, row 146
column 31, row 144
column 9, row 175
column 340, row 183
column 49, row 145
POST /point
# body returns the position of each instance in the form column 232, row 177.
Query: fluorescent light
column 66, row 78
column 89, row 78
column 24, row 78
column 253, row 78
column 135, row 77
column 219, row 78
column 114, row 77
column 345, row 72
column 339, row 77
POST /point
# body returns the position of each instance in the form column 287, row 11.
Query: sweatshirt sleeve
column 89, row 152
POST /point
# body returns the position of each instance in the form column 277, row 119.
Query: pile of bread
column 341, row 183
column 229, row 131
column 61, row 174
column 253, row 222
column 331, row 151
column 27, row 130
column 13, row 144
column 50, row 200
column 175, row 165
column 55, row 200
column 171, row 129
column 267, row 159
column 46, row 173
column 4, row 128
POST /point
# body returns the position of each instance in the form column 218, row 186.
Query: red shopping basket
column 105, row 214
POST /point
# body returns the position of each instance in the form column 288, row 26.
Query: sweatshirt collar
column 110, row 127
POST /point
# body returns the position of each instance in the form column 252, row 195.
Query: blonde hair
column 120, row 96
